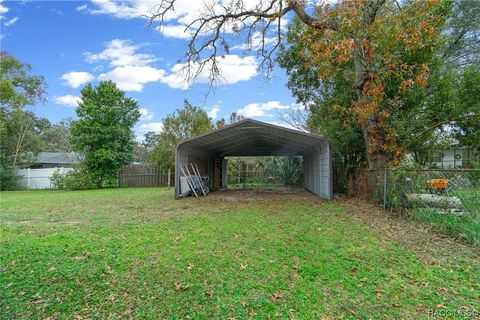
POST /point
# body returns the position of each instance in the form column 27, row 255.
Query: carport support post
column 385, row 179
column 224, row 173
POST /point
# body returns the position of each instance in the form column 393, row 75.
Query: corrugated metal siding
column 317, row 175
column 325, row 171
column 250, row 137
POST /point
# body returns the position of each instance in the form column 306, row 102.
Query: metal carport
column 255, row 138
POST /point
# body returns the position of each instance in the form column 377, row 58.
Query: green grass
column 466, row 225
column 138, row 253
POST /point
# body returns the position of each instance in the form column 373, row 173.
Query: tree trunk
column 372, row 133
column 376, row 158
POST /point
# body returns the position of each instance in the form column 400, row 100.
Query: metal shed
column 255, row 138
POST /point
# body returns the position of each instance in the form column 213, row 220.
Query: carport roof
column 254, row 138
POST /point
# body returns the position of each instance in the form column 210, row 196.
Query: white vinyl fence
column 39, row 178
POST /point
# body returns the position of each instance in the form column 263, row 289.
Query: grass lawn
column 137, row 253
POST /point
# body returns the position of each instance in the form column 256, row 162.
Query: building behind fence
column 129, row 176
column 39, row 178
column 449, row 198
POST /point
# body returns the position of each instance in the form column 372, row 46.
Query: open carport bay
column 254, row 138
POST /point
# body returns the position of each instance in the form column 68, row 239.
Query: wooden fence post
column 168, row 178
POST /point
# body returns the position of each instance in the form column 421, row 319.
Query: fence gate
column 143, row 176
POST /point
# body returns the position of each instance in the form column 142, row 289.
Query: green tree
column 467, row 128
column 416, row 116
column 462, row 43
column 144, row 149
column 381, row 48
column 18, row 90
column 181, row 125
column 56, row 137
column 104, row 130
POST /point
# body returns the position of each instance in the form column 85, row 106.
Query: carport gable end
column 255, row 138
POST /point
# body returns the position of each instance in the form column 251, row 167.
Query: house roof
column 58, row 157
column 255, row 138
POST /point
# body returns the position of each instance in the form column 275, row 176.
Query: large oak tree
column 379, row 48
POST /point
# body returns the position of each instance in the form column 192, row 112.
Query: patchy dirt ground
column 265, row 193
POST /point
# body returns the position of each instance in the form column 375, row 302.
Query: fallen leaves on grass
column 362, row 280
column 82, row 257
column 243, row 266
column 291, row 315
column 37, row 299
column 440, row 305
column 276, row 296
column 181, row 287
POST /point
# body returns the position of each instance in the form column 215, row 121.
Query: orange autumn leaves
column 382, row 53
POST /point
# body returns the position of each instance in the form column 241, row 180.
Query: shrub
column 9, row 179
column 79, row 179
column 58, row 179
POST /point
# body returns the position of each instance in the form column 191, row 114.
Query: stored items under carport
column 192, row 183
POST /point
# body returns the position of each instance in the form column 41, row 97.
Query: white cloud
column 120, row 53
column 119, row 9
column 11, row 22
column 183, row 13
column 213, row 112
column 82, row 7
column 145, row 114
column 133, row 9
column 132, row 78
column 174, row 31
column 152, row 126
column 75, row 79
column 256, row 42
column 261, row 109
column 233, row 69
column 67, row 100
column 3, row 9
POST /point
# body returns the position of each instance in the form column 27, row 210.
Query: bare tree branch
column 297, row 118
column 444, row 122
column 217, row 25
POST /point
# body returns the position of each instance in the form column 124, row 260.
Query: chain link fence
column 447, row 198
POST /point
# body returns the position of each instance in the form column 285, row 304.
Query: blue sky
column 72, row 43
